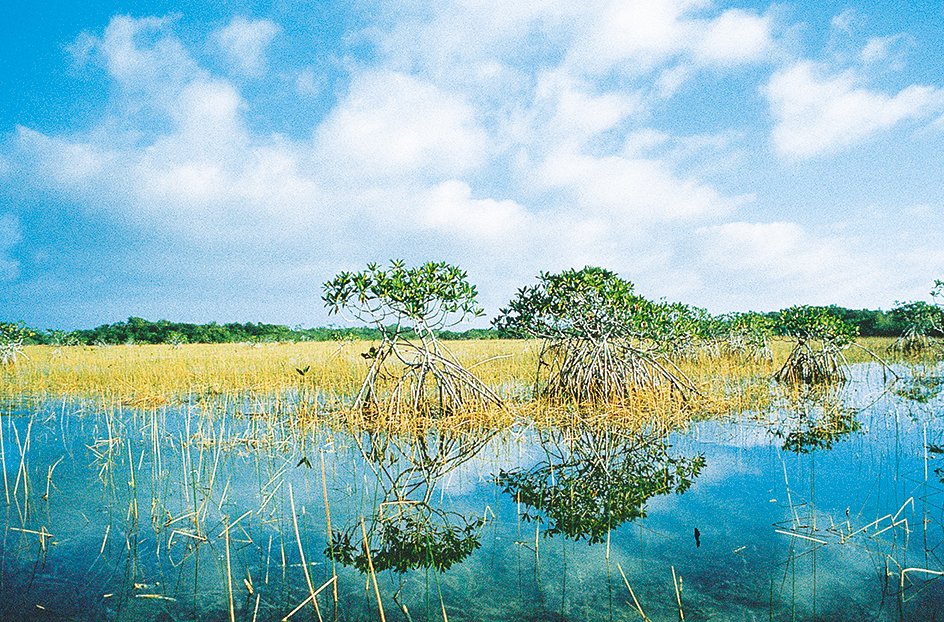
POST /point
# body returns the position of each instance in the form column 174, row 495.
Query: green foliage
column 15, row 332
column 591, row 303
column 12, row 338
column 808, row 326
column 922, row 325
column 423, row 377
column 745, row 334
column 808, row 323
column 919, row 317
column 938, row 290
column 431, row 296
column 601, row 340
column 593, row 483
column 416, row 536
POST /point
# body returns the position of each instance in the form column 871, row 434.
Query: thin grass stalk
column 3, row 464
column 334, row 571
column 301, row 550
column 312, row 596
column 229, row 572
column 678, row 595
column 373, row 575
column 631, row 593
column 134, row 486
column 21, row 472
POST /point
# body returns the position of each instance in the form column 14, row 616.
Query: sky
column 199, row 162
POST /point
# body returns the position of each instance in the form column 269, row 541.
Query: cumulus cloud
column 631, row 190
column 817, row 113
column 392, row 127
column 888, row 50
column 143, row 54
column 57, row 163
column 785, row 261
column 399, row 154
column 450, row 208
column 531, row 136
column 637, row 36
column 244, row 42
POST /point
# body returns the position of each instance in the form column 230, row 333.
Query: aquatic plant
column 11, row 341
column 817, row 355
column 421, row 373
column 924, row 325
column 600, row 340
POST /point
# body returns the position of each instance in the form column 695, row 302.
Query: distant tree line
column 141, row 331
column 869, row 323
column 138, row 330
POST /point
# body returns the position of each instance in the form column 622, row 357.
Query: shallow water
column 828, row 509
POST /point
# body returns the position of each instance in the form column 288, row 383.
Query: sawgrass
column 178, row 372
column 310, row 378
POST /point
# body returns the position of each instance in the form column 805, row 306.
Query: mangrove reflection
column 592, row 482
column 920, row 388
column 405, row 531
column 817, row 419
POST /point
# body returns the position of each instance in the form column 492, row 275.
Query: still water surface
column 829, row 508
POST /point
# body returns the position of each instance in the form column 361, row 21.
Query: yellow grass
column 137, row 372
column 152, row 375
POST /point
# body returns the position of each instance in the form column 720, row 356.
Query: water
column 827, row 509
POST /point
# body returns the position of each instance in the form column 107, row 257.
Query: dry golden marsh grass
column 155, row 375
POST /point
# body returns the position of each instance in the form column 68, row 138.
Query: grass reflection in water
column 826, row 507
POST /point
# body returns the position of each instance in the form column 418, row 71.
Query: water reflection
column 404, row 531
column 921, row 388
column 832, row 510
column 590, row 481
column 814, row 418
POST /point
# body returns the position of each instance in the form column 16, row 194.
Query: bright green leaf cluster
column 592, row 303
column 919, row 318
column 805, row 323
column 432, row 296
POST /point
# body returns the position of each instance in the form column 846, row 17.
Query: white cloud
column 631, row 190
column 637, row 36
column 734, row 37
column 449, row 207
column 778, row 249
column 395, row 127
column 567, row 111
column 818, row 114
column 244, row 43
column 515, row 140
column 143, row 54
column 889, row 50
column 307, row 84
column 782, row 260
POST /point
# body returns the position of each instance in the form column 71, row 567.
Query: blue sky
column 200, row 162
